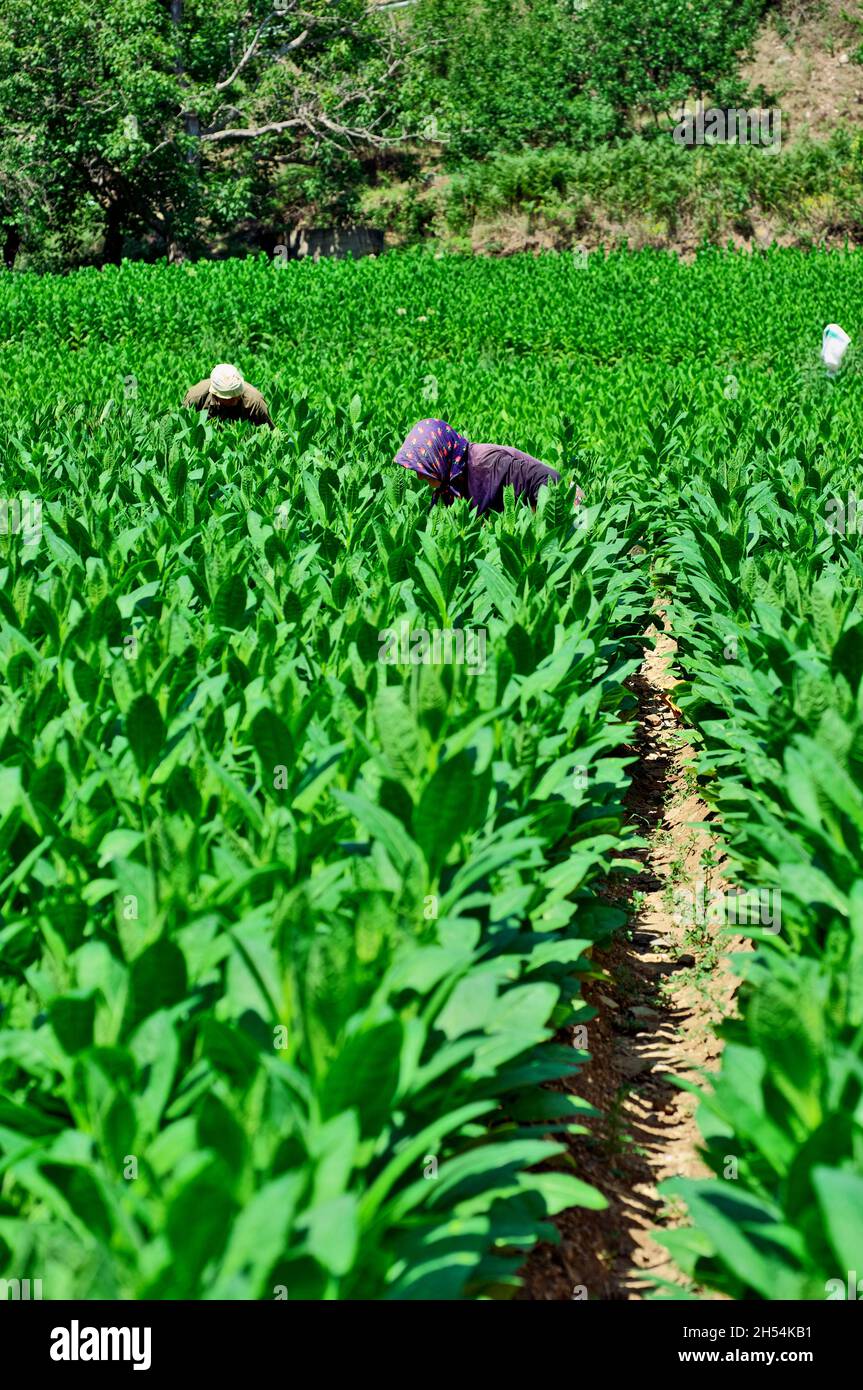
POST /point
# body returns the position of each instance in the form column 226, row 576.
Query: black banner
column 81, row 1340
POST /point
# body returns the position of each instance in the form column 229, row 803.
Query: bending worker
column 226, row 396
column 477, row 472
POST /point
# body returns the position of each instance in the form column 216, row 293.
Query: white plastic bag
column 834, row 344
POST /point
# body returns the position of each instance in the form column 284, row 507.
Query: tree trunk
column 112, row 247
column 11, row 247
column 191, row 121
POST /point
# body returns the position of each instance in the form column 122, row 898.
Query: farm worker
column 226, row 396
column 477, row 472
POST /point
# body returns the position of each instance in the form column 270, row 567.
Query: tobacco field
column 290, row 936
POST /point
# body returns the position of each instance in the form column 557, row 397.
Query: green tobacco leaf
column 145, row 731
column 501, row 592
column 332, row 1233
column 444, row 811
column 398, row 733
column 789, row 1027
column 560, row 1191
column 156, row 1049
column 197, row 1222
column 72, row 1018
column 229, row 605
column 258, row 1238
column 382, row 826
column 157, row 980
column 745, row 1232
column 48, row 785
column 274, row 746
column 840, row 1198
column 365, row 1076
column 84, row 1194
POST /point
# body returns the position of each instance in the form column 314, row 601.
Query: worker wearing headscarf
column 226, row 396
column 477, row 472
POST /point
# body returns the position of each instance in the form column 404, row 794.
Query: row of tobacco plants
column 760, row 566
column 288, row 915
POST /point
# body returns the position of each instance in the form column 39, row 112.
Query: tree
column 653, row 54
column 166, row 119
column 503, row 74
column 88, row 98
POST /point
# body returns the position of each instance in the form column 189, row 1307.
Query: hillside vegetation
column 188, row 131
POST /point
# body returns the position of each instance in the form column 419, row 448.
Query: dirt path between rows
column 668, row 980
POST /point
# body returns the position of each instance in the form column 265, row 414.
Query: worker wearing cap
column 226, row 396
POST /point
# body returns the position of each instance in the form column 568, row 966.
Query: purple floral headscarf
column 435, row 451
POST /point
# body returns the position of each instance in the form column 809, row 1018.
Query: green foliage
column 658, row 53
column 113, row 123
column 285, row 929
column 292, row 927
column 499, row 75
column 767, row 612
column 652, row 183
column 148, row 129
column 88, row 102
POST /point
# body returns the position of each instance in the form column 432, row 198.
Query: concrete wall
column 332, row 241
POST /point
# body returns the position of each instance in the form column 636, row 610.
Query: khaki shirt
column 250, row 406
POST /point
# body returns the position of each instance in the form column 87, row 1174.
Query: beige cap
column 226, row 382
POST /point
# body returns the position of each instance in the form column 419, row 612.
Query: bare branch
column 295, row 43
column 220, row 86
column 148, row 154
column 364, row 135
column 328, row 120
column 250, row 51
column 272, row 128
column 317, row 125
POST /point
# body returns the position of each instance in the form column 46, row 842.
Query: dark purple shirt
column 492, row 467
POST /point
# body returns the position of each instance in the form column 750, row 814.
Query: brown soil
column 667, row 981
column 805, row 65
